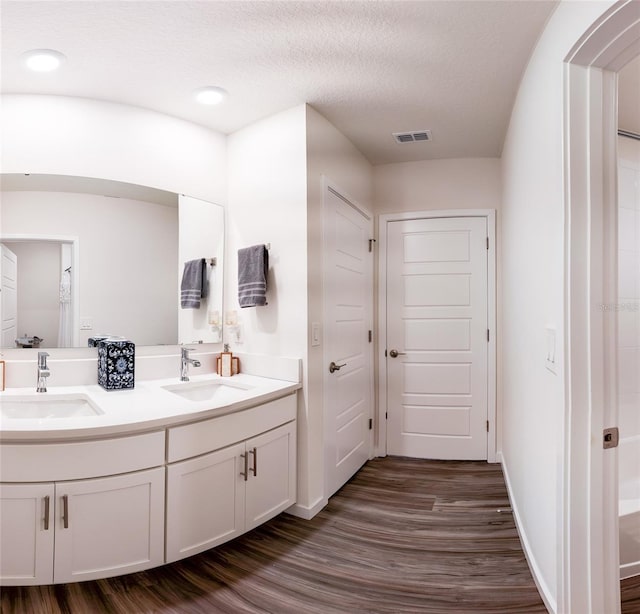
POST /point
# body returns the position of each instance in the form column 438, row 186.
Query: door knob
column 395, row 353
column 334, row 367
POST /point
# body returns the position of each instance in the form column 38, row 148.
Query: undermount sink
column 207, row 391
column 47, row 406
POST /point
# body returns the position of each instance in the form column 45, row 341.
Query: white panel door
column 26, row 534
column 348, row 290
column 8, row 297
column 437, row 338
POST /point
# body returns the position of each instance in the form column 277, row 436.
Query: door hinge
column 488, row 335
column 370, row 336
column 371, row 242
column 610, row 438
column 487, row 426
column 386, row 415
column 370, row 423
column 487, row 242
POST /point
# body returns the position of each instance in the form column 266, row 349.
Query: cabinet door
column 109, row 526
column 271, row 487
column 26, row 534
column 205, row 502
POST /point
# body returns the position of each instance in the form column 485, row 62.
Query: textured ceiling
column 370, row 67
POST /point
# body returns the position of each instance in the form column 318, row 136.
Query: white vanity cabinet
column 103, row 526
column 109, row 526
column 235, row 482
column 84, row 509
column 271, row 480
column 26, row 533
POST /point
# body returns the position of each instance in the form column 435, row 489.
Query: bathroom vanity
column 97, row 484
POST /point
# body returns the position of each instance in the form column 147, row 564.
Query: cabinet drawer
column 208, row 435
column 48, row 462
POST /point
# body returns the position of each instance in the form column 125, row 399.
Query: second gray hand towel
column 253, row 265
column 193, row 286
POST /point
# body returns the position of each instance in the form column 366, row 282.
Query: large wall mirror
column 84, row 257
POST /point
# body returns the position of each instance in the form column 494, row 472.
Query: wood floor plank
column 403, row 536
column 630, row 595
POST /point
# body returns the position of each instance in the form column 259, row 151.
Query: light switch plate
column 86, row 323
column 315, row 333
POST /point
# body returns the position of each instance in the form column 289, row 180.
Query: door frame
column 589, row 551
column 383, row 222
column 74, row 243
column 328, row 184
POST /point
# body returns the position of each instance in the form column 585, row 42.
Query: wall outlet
column 86, row 323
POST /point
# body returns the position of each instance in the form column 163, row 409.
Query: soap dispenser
column 226, row 362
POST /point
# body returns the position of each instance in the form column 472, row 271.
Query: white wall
column 332, row 155
column 468, row 183
column 267, row 203
column 628, row 307
column 90, row 138
column 533, row 294
column 38, row 290
column 275, row 196
column 128, row 251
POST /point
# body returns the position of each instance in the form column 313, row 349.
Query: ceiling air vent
column 412, row 137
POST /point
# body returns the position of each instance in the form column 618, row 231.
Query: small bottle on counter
column 226, row 362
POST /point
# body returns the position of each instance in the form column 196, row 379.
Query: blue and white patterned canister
column 116, row 364
column 92, row 342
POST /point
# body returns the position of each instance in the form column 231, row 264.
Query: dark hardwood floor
column 404, row 536
column 630, row 595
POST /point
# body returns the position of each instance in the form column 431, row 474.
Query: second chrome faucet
column 185, row 361
column 43, row 372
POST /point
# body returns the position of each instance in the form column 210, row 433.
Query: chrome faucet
column 185, row 361
column 43, row 372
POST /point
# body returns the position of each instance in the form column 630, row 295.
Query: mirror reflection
column 84, row 257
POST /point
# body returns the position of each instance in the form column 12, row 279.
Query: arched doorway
column 591, row 556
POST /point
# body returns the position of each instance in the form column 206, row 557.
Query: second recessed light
column 43, row 60
column 210, row 95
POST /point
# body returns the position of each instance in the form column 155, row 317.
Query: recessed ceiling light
column 210, row 95
column 43, row 60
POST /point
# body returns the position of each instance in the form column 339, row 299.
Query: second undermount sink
column 46, row 406
column 206, row 391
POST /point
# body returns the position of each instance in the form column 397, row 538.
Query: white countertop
column 146, row 407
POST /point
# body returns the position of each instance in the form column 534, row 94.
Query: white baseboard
column 549, row 600
column 307, row 512
column 629, row 570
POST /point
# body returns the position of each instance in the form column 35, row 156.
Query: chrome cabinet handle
column 255, row 461
column 334, row 367
column 46, row 513
column 65, row 511
column 245, row 475
column 395, row 353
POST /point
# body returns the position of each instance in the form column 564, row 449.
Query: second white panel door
column 348, row 281
column 437, row 338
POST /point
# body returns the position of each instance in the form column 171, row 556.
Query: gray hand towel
column 253, row 264
column 194, row 284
